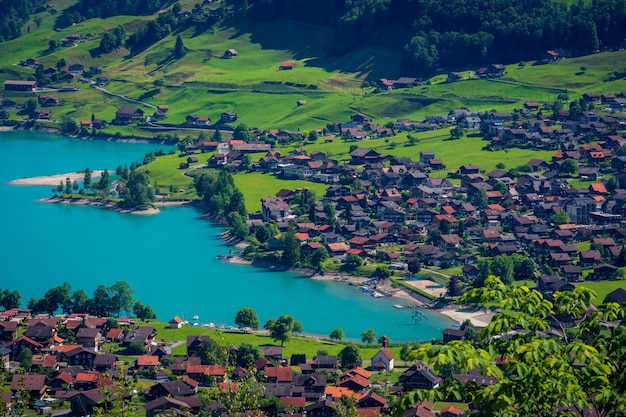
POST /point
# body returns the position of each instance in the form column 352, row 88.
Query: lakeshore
column 54, row 180
column 456, row 313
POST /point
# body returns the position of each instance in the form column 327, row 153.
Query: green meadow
column 251, row 84
column 602, row 288
column 298, row 344
column 256, row 186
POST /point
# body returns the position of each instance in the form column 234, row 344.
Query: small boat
column 365, row 289
column 376, row 294
column 398, row 306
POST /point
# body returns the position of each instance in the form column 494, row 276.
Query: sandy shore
column 478, row 317
column 54, row 180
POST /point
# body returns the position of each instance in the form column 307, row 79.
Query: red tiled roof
column 147, row 360
column 87, row 376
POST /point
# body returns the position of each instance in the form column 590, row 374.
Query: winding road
column 107, row 92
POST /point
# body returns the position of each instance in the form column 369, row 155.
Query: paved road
column 105, row 91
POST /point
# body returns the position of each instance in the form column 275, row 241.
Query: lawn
column 256, row 186
column 602, row 288
column 298, row 344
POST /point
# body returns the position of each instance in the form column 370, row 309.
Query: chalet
column 230, row 53
column 449, row 242
column 603, row 272
column 278, row 374
column 34, row 383
column 550, row 56
column 21, row 343
column 372, row 400
column 90, row 338
column 79, row 356
column 496, row 70
column 83, row 403
column 166, row 405
column 275, row 209
column 365, row 155
column 355, row 383
column 419, row 376
column 309, row 386
column 571, row 273
column 126, row 115
column 286, row 65
column 9, row 104
column 252, row 147
column 88, row 380
column 147, row 363
column 175, row 323
column 46, row 361
column 8, row 330
column 454, row 76
column 139, row 334
column 194, row 343
column 228, row 117
column 105, row 362
column 206, row 374
column 272, row 353
column 195, row 120
column 422, row 409
column 337, row 248
column 16, row 85
column 616, row 296
column 40, row 114
column 76, row 69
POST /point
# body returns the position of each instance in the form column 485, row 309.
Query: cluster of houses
column 395, row 202
column 83, row 375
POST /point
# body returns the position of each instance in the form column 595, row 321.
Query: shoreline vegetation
column 455, row 313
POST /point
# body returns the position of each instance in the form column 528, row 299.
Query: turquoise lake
column 168, row 259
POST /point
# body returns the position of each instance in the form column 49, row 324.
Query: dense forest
column 458, row 33
column 89, row 9
column 428, row 33
column 14, row 14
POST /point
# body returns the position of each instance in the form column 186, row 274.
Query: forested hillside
column 455, row 33
column 89, row 9
column 14, row 14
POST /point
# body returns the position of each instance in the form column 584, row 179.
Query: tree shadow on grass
column 312, row 44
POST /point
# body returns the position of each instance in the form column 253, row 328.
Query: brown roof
column 338, row 247
column 33, row 382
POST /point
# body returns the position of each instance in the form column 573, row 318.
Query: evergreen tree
column 291, row 249
column 454, row 286
column 179, row 48
column 87, row 179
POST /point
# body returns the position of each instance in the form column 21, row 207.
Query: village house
column 419, row 376
column 126, row 115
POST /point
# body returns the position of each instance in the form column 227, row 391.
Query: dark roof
column 617, row 296
column 33, row 382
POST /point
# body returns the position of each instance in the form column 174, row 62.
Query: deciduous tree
column 583, row 369
column 337, row 334
column 350, row 356
column 247, row 317
column 368, row 336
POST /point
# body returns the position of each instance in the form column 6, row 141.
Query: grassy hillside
column 252, row 85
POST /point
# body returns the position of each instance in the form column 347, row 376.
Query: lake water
column 168, row 259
